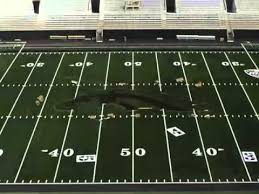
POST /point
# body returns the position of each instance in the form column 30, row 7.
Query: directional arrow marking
column 89, row 64
column 175, row 131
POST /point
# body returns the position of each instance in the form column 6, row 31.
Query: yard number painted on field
column 1, row 152
column 80, row 64
column 185, row 63
column 210, row 151
column 128, row 64
column 85, row 158
column 234, row 63
column 249, row 156
column 55, row 153
column 29, row 65
column 175, row 131
column 138, row 152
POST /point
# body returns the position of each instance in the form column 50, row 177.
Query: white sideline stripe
column 38, row 119
column 241, row 85
column 98, row 142
column 167, row 145
column 20, row 93
column 69, row 121
column 249, row 56
column 132, row 72
column 158, row 73
column 196, row 120
column 133, row 146
column 135, row 183
column 107, row 71
column 12, row 63
column 225, row 112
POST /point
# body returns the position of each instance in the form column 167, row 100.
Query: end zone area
column 174, row 120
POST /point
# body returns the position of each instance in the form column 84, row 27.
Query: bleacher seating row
column 49, row 23
column 247, row 6
column 244, row 21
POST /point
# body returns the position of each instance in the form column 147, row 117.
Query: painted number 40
column 209, row 151
column 67, row 153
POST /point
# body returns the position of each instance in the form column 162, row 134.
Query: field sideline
column 128, row 117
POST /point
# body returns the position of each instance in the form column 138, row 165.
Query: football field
column 129, row 117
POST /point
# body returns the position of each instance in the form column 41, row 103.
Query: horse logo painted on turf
column 253, row 73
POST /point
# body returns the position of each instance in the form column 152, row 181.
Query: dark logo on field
column 253, row 73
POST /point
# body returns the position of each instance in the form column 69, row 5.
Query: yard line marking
column 249, row 55
column 18, row 97
column 69, row 120
column 132, row 72
column 11, row 64
column 158, row 73
column 167, row 145
column 101, row 119
column 225, row 112
column 133, row 146
column 196, row 119
column 80, row 77
column 187, row 84
column 241, row 85
column 38, row 119
column 107, row 71
column 165, row 126
column 98, row 141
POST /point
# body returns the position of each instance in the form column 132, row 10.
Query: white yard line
column 81, row 74
column 133, row 120
column 241, row 85
column 249, row 55
column 187, row 84
column 11, row 63
column 20, row 93
column 165, row 125
column 158, row 73
column 132, row 72
column 98, row 142
column 69, row 120
column 63, row 144
column 133, row 146
column 196, row 119
column 38, row 119
column 107, row 71
column 101, row 119
column 167, row 145
column 226, row 115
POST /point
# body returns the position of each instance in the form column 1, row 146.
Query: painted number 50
column 138, row 152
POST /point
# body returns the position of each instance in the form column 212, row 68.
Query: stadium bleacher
column 203, row 6
column 77, row 15
column 65, row 7
column 16, row 8
column 244, row 6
